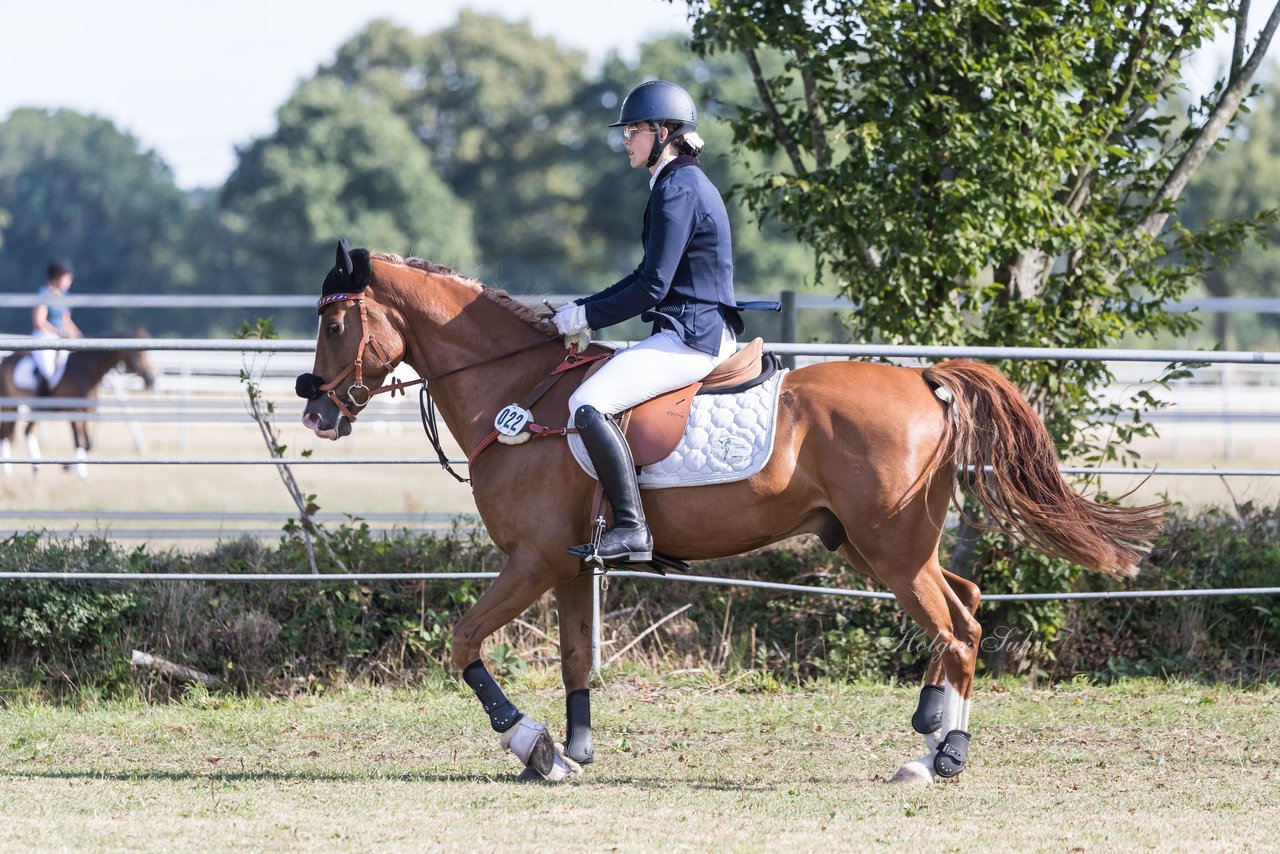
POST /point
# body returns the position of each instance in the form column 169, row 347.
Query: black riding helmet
column 57, row 268
column 659, row 101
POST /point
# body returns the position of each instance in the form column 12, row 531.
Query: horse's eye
column 334, row 328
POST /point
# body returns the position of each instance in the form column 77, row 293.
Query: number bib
column 512, row 419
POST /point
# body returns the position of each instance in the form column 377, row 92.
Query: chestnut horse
column 85, row 370
column 865, row 458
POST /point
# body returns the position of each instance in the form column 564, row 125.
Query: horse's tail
column 1015, row 475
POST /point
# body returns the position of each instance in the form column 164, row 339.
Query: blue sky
column 194, row 79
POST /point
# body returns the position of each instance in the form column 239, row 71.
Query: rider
column 50, row 320
column 684, row 285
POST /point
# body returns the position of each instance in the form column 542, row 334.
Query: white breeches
column 48, row 361
column 656, row 365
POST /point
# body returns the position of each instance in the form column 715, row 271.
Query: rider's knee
column 586, row 415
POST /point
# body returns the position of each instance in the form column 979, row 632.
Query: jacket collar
column 679, row 162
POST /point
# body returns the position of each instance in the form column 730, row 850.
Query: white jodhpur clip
column 532, row 744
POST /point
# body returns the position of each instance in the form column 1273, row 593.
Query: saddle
column 654, row 428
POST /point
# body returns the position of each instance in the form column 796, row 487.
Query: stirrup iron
column 594, row 558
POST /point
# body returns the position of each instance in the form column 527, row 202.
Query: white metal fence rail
column 345, row 577
column 864, row 351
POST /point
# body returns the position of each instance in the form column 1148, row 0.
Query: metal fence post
column 595, row 623
column 789, row 324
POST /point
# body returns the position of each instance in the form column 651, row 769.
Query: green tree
column 493, row 106
column 992, row 173
column 517, row 127
column 989, row 173
column 77, row 186
column 1238, row 182
column 340, row 165
column 765, row 258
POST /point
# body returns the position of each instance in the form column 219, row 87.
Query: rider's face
column 638, row 140
column 62, row 282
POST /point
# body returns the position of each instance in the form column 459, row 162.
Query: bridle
column 310, row 386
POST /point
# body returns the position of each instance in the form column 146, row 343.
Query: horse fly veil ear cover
column 350, row 275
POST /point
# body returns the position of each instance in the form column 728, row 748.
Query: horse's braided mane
column 501, row 297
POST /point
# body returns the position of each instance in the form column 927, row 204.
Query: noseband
column 311, row 386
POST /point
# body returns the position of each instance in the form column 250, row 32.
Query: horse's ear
column 361, row 268
column 343, row 259
column 351, row 272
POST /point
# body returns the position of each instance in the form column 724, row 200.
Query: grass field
column 682, row 764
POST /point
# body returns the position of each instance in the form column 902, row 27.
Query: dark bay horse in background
column 865, row 458
column 84, row 372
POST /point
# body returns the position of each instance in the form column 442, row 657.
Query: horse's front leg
column 523, row 579
column 574, row 605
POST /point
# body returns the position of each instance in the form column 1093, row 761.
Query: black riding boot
column 629, row 538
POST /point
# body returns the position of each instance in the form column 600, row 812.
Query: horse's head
column 356, row 347
column 137, row 363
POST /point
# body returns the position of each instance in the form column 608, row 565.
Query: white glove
column 570, row 319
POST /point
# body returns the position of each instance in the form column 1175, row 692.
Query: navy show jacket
column 685, row 279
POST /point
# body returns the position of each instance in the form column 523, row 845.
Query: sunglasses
column 629, row 132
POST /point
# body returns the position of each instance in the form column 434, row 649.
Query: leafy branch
column 263, row 412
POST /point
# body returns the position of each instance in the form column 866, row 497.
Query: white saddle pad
column 24, row 373
column 729, row 437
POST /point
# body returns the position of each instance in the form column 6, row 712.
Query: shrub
column 72, row 637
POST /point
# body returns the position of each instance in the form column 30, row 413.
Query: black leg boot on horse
column 629, row 538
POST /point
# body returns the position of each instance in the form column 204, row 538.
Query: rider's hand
column 570, row 319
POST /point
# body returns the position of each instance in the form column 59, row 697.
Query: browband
column 331, row 298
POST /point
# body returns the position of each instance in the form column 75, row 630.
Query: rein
column 427, row 406
column 310, row 386
column 571, row 361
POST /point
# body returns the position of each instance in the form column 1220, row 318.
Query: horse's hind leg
column 80, row 436
column 33, row 445
column 521, row 581
column 927, row 719
column 573, row 602
column 6, row 445
column 929, row 599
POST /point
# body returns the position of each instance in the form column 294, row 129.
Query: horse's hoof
column 528, row 775
column 952, row 753
column 562, row 768
column 542, row 758
column 913, row 774
column 533, row 746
